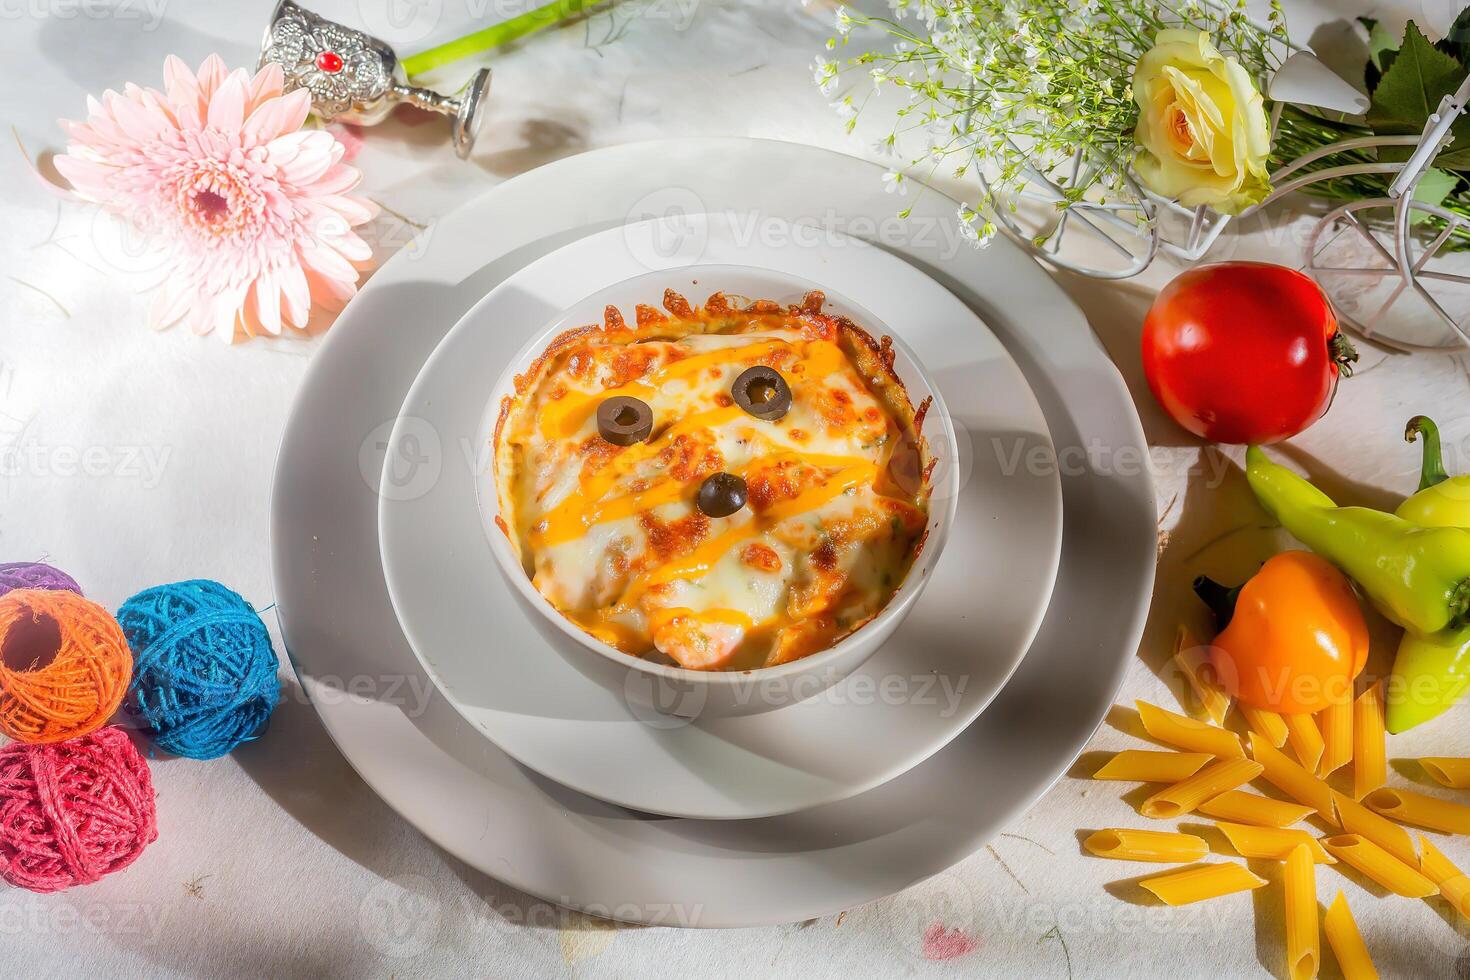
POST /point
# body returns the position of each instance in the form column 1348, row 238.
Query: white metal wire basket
column 1383, row 261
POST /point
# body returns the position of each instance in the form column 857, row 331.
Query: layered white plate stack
column 531, row 772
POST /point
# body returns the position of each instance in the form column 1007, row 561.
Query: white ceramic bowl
column 482, row 645
column 712, row 694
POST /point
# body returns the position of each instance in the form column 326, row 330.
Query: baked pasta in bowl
column 706, row 492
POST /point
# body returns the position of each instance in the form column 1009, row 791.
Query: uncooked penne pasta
column 1305, row 738
column 1292, row 779
column 1370, row 761
column 1146, row 845
column 1195, row 736
column 1146, row 766
column 1337, row 736
column 1453, row 883
column 1434, row 864
column 1303, row 944
column 1183, row 797
column 1265, row 723
column 1272, row 843
column 1347, row 942
column 1259, row 811
column 1198, row 884
column 1193, row 662
column 1358, row 819
column 1381, row 866
column 1454, row 773
column 1420, row 810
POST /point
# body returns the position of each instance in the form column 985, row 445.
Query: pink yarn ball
column 74, row 811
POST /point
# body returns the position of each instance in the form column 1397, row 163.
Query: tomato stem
column 1344, row 354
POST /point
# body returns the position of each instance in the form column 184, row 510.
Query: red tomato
column 1244, row 352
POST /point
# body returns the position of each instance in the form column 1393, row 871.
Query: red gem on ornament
column 329, row 62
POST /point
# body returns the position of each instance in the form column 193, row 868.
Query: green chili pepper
column 1442, row 500
column 1419, row 577
column 1431, row 672
column 1429, row 675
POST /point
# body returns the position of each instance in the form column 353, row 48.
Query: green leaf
column 1383, row 47
column 1456, row 41
column 1433, row 188
column 1380, row 41
column 1410, row 90
column 1387, row 58
column 1457, row 156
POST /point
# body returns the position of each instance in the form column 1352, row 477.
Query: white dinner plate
column 435, row 769
column 964, row 636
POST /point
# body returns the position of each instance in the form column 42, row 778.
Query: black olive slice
column 762, row 392
column 623, row 420
column 722, row 494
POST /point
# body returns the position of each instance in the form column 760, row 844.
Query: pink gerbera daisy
column 251, row 212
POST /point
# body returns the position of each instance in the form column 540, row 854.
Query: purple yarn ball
column 34, row 575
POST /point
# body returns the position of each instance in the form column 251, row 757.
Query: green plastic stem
column 496, row 35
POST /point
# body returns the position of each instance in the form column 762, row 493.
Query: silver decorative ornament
column 357, row 78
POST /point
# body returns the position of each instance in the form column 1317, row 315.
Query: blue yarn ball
column 204, row 671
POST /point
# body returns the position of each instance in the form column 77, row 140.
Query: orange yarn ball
column 50, row 698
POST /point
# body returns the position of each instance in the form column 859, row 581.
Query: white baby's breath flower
column 969, row 220
column 1008, row 87
column 824, row 73
column 974, row 227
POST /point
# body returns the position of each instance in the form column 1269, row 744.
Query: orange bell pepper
column 1292, row 638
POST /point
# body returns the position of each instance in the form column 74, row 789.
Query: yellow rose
column 1202, row 131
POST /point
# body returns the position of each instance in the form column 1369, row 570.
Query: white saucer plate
column 965, row 635
column 444, row 777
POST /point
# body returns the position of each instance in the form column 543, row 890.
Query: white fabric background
column 279, row 861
